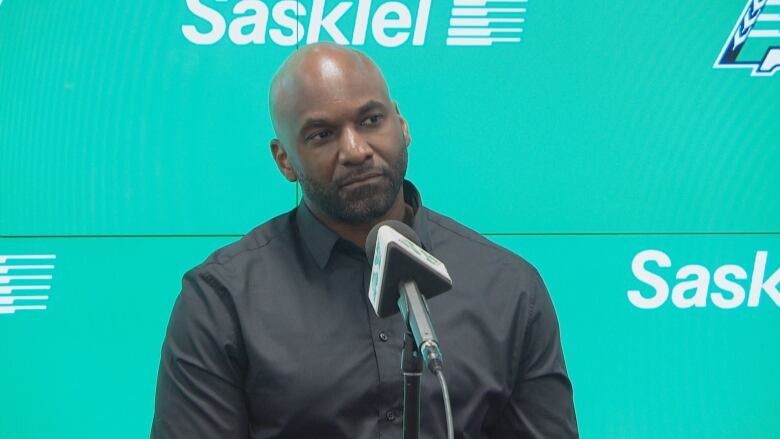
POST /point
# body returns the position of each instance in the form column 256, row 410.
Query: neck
column 357, row 233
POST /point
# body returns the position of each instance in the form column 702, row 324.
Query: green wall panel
column 601, row 119
column 667, row 372
column 87, row 365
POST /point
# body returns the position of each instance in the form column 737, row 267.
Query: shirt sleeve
column 200, row 381
column 541, row 404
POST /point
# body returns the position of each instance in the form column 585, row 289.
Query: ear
column 282, row 160
column 404, row 125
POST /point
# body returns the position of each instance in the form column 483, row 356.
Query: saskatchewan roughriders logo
column 755, row 41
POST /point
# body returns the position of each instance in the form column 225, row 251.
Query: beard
column 363, row 203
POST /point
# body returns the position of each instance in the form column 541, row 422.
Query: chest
column 321, row 361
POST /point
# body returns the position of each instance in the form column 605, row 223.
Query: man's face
column 348, row 141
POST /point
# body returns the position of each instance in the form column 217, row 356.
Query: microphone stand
column 412, row 367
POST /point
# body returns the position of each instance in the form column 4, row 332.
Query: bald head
column 311, row 71
column 341, row 137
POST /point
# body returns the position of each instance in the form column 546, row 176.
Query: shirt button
column 390, row 415
column 384, row 337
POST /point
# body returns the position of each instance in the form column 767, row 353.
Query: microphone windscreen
column 401, row 258
column 399, row 227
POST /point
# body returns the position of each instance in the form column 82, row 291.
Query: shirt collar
column 320, row 240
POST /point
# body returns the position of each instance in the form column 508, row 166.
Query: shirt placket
column 387, row 339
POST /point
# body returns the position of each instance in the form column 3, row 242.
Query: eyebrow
column 370, row 105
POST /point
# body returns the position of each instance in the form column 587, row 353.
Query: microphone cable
column 447, row 409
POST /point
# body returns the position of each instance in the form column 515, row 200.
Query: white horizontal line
column 479, row 41
column 4, row 258
column 9, row 290
column 482, row 12
column 484, row 2
column 773, row 3
column 482, row 21
column 10, row 299
column 479, row 31
column 4, row 268
column 13, row 309
column 769, row 17
column 7, row 279
column 758, row 33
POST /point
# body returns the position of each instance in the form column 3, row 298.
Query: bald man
column 274, row 337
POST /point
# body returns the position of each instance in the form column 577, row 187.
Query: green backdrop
column 130, row 153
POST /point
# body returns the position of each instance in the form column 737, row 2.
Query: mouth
column 362, row 179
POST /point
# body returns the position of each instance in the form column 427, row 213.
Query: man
column 274, row 336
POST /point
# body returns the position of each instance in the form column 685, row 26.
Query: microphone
column 400, row 270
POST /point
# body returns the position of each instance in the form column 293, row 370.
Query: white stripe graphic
column 479, row 41
column 773, row 2
column 5, row 258
column 9, row 290
column 764, row 33
column 7, row 297
column 485, row 2
column 4, row 268
column 482, row 12
column 10, row 300
column 13, row 309
column 7, row 279
column 482, row 21
column 769, row 17
column 479, row 32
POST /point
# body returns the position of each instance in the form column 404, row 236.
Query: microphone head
column 395, row 255
column 398, row 226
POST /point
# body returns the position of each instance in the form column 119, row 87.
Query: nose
column 355, row 150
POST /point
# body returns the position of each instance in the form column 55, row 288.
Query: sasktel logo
column 388, row 23
column 692, row 283
column 754, row 43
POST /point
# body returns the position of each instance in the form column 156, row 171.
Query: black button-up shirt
column 274, row 336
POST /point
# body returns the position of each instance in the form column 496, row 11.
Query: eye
column 319, row 135
column 372, row 120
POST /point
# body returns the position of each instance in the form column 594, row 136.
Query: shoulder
column 213, row 296
column 258, row 246
column 451, row 236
